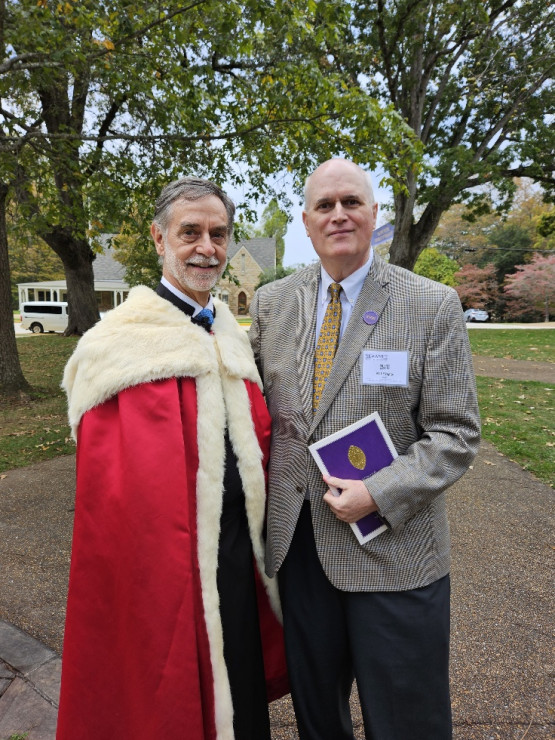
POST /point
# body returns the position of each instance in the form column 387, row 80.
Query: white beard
column 188, row 277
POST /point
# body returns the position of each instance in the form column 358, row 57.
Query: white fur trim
column 210, row 428
column 211, row 450
column 146, row 339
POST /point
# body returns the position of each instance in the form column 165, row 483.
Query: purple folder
column 356, row 452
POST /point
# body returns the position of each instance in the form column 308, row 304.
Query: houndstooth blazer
column 434, row 422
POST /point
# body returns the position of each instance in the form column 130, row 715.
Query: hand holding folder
column 355, row 453
column 349, row 500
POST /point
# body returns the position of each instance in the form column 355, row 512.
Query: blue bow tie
column 204, row 318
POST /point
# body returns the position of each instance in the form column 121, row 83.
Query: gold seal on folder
column 357, row 458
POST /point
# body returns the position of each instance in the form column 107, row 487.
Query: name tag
column 385, row 368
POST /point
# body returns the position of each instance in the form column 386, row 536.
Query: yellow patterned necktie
column 327, row 344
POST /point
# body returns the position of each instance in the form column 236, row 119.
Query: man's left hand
column 354, row 502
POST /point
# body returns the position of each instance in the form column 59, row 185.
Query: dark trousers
column 396, row 645
column 239, row 613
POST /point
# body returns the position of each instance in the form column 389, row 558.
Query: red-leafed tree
column 531, row 289
column 477, row 287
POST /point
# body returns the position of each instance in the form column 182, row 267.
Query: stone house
column 247, row 260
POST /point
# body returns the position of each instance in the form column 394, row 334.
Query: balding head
column 334, row 167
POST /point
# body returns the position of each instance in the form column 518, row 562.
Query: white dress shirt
column 185, row 298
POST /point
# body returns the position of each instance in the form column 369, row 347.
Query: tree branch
column 102, row 133
column 41, row 60
column 146, row 138
column 528, row 171
column 511, row 111
column 27, row 61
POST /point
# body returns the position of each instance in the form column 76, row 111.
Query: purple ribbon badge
column 370, row 317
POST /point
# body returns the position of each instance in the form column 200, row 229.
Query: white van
column 40, row 316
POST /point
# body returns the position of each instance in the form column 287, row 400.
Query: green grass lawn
column 514, row 344
column 517, row 417
column 38, row 430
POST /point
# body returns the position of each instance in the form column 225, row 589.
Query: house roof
column 105, row 266
column 262, row 250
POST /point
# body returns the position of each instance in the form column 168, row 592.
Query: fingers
column 354, row 502
column 335, row 482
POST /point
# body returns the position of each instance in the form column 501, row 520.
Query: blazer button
column 300, row 489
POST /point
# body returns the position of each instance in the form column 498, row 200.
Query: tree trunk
column 403, row 250
column 77, row 257
column 410, row 238
column 12, row 380
column 82, row 303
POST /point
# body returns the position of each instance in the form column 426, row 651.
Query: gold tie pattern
column 327, row 344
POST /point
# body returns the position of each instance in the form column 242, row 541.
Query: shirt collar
column 185, row 298
column 352, row 284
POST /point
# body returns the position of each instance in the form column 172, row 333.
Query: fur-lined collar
column 146, row 339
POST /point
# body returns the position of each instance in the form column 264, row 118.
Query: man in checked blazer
column 377, row 612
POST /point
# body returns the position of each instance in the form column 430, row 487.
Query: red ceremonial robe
column 139, row 655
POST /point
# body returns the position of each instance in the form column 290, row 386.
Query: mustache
column 203, row 262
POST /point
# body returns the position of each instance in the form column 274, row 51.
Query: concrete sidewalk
column 502, row 619
column 29, row 685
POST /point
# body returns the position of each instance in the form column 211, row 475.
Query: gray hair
column 188, row 189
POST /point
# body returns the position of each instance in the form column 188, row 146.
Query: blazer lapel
column 373, row 298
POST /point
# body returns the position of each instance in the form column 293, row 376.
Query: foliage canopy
column 106, row 101
column 473, row 79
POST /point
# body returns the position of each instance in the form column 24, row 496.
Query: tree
column 477, row 287
column 275, row 273
column 528, row 211
column 436, row 266
column 103, row 102
column 513, row 245
column 474, row 81
column 12, row 380
column 117, row 91
column 471, row 241
column 273, row 223
column 463, row 240
column 533, row 286
column 546, row 224
column 138, row 256
column 13, row 383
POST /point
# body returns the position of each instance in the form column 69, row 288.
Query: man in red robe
column 171, row 628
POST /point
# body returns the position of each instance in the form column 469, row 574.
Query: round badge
column 370, row 317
